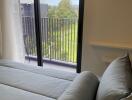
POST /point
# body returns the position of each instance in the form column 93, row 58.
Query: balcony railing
column 59, row 39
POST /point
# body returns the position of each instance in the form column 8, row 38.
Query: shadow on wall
column 0, row 40
column 107, row 33
column 99, row 57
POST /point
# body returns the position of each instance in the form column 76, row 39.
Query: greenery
column 62, row 44
column 63, row 10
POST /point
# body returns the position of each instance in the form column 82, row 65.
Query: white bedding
column 24, row 82
column 21, row 82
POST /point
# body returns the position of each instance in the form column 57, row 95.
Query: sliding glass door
column 52, row 31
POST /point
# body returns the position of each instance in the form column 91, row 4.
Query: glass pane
column 28, row 25
column 59, row 25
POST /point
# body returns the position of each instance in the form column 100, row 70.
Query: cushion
column 24, row 82
column 116, row 82
column 84, row 87
column 32, row 82
column 128, row 98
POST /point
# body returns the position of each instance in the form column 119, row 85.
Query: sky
column 50, row 2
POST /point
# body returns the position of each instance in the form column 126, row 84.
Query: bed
column 25, row 82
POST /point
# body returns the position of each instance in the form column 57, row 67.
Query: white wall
column 107, row 32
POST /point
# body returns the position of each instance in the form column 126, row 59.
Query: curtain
column 11, row 31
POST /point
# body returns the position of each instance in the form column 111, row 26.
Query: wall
column 0, row 41
column 107, row 32
column 0, row 34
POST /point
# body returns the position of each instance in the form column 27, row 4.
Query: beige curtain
column 11, row 31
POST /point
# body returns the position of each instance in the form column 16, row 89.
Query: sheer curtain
column 11, row 31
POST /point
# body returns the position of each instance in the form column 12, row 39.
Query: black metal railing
column 59, row 38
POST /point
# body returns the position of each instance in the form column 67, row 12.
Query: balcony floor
column 53, row 66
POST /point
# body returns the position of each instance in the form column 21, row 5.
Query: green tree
column 63, row 10
column 51, row 11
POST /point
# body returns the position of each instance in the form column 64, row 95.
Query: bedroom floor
column 52, row 66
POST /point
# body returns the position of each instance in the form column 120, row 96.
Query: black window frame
column 80, row 35
column 38, row 33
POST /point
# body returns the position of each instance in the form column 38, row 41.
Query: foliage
column 59, row 44
column 63, row 10
column 51, row 11
column 62, row 43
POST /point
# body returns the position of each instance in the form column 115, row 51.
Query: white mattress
column 23, row 82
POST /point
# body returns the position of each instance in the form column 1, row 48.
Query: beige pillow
column 84, row 87
column 116, row 82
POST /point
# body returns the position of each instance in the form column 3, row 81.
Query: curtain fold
column 11, row 29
